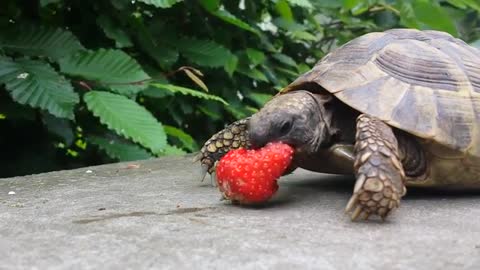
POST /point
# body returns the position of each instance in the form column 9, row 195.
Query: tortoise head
column 298, row 118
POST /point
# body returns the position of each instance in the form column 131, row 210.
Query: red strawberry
column 250, row 176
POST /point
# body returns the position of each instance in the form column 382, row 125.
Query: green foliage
column 120, row 150
column 39, row 41
column 37, row 84
column 127, row 118
column 88, row 82
column 186, row 91
column 112, row 69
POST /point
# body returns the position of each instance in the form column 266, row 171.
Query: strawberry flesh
column 250, row 176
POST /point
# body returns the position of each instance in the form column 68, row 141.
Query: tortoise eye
column 285, row 128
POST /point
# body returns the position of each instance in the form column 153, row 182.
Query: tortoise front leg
column 379, row 172
column 233, row 136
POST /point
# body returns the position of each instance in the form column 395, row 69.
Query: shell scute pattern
column 423, row 82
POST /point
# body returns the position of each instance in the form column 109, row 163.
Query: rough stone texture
column 159, row 216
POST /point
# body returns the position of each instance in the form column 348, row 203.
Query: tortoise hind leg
column 379, row 172
column 233, row 136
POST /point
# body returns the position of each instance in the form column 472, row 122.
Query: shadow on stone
column 340, row 184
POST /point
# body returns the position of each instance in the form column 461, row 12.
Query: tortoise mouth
column 298, row 150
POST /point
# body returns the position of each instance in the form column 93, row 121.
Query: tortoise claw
column 203, row 172
column 351, row 203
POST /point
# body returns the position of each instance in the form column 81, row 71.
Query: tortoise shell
column 426, row 83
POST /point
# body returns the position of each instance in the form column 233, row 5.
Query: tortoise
column 396, row 108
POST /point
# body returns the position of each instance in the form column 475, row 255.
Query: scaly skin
column 379, row 172
column 233, row 136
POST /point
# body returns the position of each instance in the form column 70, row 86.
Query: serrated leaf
column 120, row 150
column 187, row 91
column 161, row 3
column 204, row 52
column 111, row 68
column 114, row 32
column 187, row 141
column 39, row 41
column 37, row 84
column 128, row 119
column 164, row 55
column 196, row 79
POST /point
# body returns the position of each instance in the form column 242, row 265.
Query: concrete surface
column 158, row 216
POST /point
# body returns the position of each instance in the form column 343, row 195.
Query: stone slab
column 155, row 214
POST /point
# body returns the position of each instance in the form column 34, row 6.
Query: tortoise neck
column 340, row 120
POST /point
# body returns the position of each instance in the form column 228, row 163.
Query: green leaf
column 285, row 59
column 172, row 150
column 204, row 52
column 256, row 57
column 44, row 3
column 111, row 68
column 37, row 84
column 301, row 3
column 231, row 19
column 119, row 149
column 357, row 7
column 332, row 4
column 127, row 118
column 349, row 4
column 425, row 14
column 187, row 91
column 293, row 74
column 259, row 98
column 304, row 35
column 164, row 55
column 114, row 32
column 283, row 8
column 289, row 25
column 253, row 73
column 231, row 65
column 187, row 141
column 161, row 3
column 34, row 40
column 464, row 4
column 210, row 5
